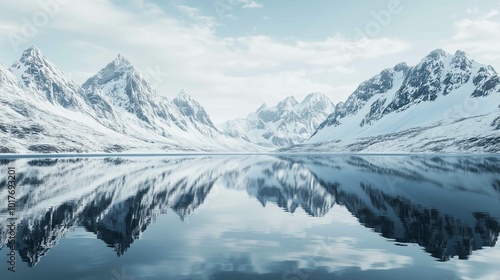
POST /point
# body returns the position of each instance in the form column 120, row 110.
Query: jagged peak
column 461, row 53
column 119, row 63
column 437, row 53
column 315, row 96
column 289, row 101
column 461, row 56
column 187, row 100
column 461, row 59
column 120, row 60
column 436, row 56
column 33, row 62
column 402, row 66
column 32, row 56
column 262, row 107
column 191, row 108
column 118, row 68
column 183, row 95
column 32, row 52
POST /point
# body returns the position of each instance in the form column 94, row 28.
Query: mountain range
column 42, row 110
column 446, row 103
column 286, row 124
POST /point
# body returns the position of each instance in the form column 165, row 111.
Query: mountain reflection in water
column 449, row 206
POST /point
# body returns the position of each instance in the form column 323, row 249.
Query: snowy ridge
column 116, row 110
column 452, row 99
column 446, row 103
column 287, row 123
column 42, row 78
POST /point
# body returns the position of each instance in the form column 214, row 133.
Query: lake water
column 253, row 217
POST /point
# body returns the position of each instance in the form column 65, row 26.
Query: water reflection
column 449, row 206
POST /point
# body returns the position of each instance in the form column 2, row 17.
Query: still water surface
column 254, row 217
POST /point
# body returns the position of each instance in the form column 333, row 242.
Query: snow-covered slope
column 285, row 124
column 436, row 105
column 114, row 111
column 46, row 82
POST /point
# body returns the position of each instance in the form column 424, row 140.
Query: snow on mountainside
column 43, row 79
column 447, row 103
column 114, row 111
column 195, row 113
column 123, row 87
column 288, row 123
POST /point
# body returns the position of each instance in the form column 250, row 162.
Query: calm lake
column 253, row 217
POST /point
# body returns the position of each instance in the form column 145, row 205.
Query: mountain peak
column 437, row 54
column 290, row 99
column 32, row 54
column 401, row 67
column 262, row 107
column 288, row 102
column 116, row 68
column 192, row 109
column 183, row 95
column 120, row 60
column 315, row 96
column 41, row 77
column 461, row 53
column 32, row 51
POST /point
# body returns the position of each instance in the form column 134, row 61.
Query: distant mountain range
column 286, row 124
column 446, row 103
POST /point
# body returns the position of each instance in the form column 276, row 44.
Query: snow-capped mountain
column 446, row 102
column 287, row 123
column 115, row 110
column 126, row 91
column 194, row 112
column 44, row 80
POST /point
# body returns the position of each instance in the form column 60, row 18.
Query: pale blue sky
column 232, row 55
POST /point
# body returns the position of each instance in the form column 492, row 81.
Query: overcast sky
column 233, row 55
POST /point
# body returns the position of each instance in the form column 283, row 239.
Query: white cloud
column 345, row 70
column 195, row 15
column 478, row 36
column 491, row 14
column 340, row 93
column 249, row 4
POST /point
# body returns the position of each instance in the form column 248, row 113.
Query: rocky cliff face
column 442, row 93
